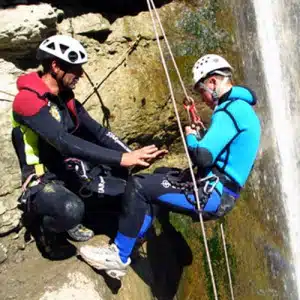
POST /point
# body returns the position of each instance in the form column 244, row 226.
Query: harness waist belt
column 229, row 184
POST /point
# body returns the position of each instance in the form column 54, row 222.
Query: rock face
column 10, row 179
column 85, row 24
column 23, row 27
column 27, row 275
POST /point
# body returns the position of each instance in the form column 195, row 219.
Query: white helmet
column 208, row 64
column 63, row 47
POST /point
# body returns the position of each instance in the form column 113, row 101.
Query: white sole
column 117, row 274
column 92, row 263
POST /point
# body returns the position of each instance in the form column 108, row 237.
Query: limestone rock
column 135, row 93
column 3, row 253
column 25, row 26
column 9, row 169
column 129, row 27
column 87, row 23
column 37, row 278
column 8, row 75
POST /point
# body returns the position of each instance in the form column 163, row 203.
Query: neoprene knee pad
column 72, row 214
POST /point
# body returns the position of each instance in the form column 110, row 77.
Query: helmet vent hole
column 63, row 48
column 51, row 46
column 73, row 56
column 82, row 54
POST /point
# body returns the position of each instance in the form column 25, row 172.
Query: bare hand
column 190, row 130
column 157, row 155
column 140, row 157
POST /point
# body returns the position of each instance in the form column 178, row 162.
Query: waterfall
column 277, row 29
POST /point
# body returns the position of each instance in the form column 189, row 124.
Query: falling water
column 277, row 29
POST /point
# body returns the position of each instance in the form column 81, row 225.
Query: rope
column 189, row 99
column 227, row 262
column 149, row 3
column 6, row 100
column 7, row 93
column 119, row 62
column 105, row 109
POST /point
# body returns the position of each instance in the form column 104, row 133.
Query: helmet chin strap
column 59, row 81
column 220, row 87
column 212, row 92
column 53, row 74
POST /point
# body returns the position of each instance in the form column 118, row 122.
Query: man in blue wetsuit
column 224, row 158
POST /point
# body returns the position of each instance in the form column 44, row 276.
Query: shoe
column 80, row 233
column 105, row 258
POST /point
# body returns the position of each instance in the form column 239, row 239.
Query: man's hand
column 141, row 157
column 190, row 130
column 157, row 155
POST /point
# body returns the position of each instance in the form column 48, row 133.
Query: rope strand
column 149, row 3
column 188, row 98
column 227, row 262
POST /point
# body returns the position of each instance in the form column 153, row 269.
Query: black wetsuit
column 47, row 130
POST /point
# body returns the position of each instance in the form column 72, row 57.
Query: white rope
column 7, row 93
column 151, row 3
column 227, row 262
column 173, row 60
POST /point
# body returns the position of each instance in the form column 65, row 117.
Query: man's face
column 71, row 76
column 68, row 75
column 201, row 88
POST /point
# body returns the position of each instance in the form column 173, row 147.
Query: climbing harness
column 196, row 122
column 181, row 179
column 91, row 178
column 33, row 183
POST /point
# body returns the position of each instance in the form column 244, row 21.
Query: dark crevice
column 22, row 61
column 100, row 36
column 79, row 7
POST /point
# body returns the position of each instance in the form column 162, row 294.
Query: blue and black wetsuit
column 228, row 150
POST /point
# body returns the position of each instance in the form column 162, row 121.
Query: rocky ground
column 155, row 271
column 27, row 275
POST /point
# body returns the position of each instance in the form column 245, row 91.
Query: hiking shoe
column 105, row 258
column 80, row 233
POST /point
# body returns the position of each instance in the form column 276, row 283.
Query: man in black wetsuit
column 49, row 127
